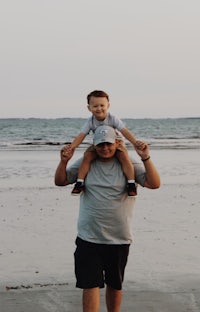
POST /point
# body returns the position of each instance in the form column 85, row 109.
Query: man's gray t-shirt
column 105, row 214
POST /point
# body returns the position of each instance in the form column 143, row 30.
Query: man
column 105, row 217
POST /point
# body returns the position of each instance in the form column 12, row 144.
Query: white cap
column 104, row 134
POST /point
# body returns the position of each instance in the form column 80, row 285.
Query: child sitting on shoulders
column 98, row 105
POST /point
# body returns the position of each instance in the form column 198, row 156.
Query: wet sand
column 38, row 229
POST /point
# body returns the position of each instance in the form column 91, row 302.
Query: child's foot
column 78, row 188
column 131, row 189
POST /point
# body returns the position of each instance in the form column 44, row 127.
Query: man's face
column 106, row 151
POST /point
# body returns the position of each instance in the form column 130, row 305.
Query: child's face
column 99, row 106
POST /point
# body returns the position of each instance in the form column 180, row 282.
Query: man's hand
column 142, row 149
column 66, row 153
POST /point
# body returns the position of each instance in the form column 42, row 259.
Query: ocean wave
column 34, row 133
column 46, row 145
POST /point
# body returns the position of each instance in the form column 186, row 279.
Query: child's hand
column 66, row 152
column 140, row 145
column 71, row 147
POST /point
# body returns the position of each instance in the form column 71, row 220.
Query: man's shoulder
column 134, row 160
column 76, row 163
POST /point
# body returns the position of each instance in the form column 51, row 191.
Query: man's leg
column 113, row 299
column 91, row 299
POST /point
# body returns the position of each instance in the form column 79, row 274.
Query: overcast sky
column 144, row 53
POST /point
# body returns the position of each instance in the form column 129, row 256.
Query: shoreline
column 37, row 236
column 65, row 298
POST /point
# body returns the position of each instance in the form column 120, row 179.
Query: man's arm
column 152, row 176
column 60, row 178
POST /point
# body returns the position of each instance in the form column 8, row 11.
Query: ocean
column 29, row 148
column 47, row 134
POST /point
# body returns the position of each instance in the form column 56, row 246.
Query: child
column 98, row 105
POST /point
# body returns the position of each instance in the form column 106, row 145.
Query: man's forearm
column 61, row 175
column 152, row 175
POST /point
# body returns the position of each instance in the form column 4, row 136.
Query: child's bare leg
column 128, row 170
column 89, row 156
column 126, row 164
column 85, row 165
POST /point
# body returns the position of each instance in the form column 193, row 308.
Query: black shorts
column 96, row 264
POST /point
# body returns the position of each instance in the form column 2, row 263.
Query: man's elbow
column 153, row 184
column 156, row 185
column 59, row 183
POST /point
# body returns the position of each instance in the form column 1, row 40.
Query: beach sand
column 38, row 229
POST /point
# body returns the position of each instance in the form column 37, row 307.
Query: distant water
column 45, row 134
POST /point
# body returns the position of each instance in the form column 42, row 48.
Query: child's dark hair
column 97, row 93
